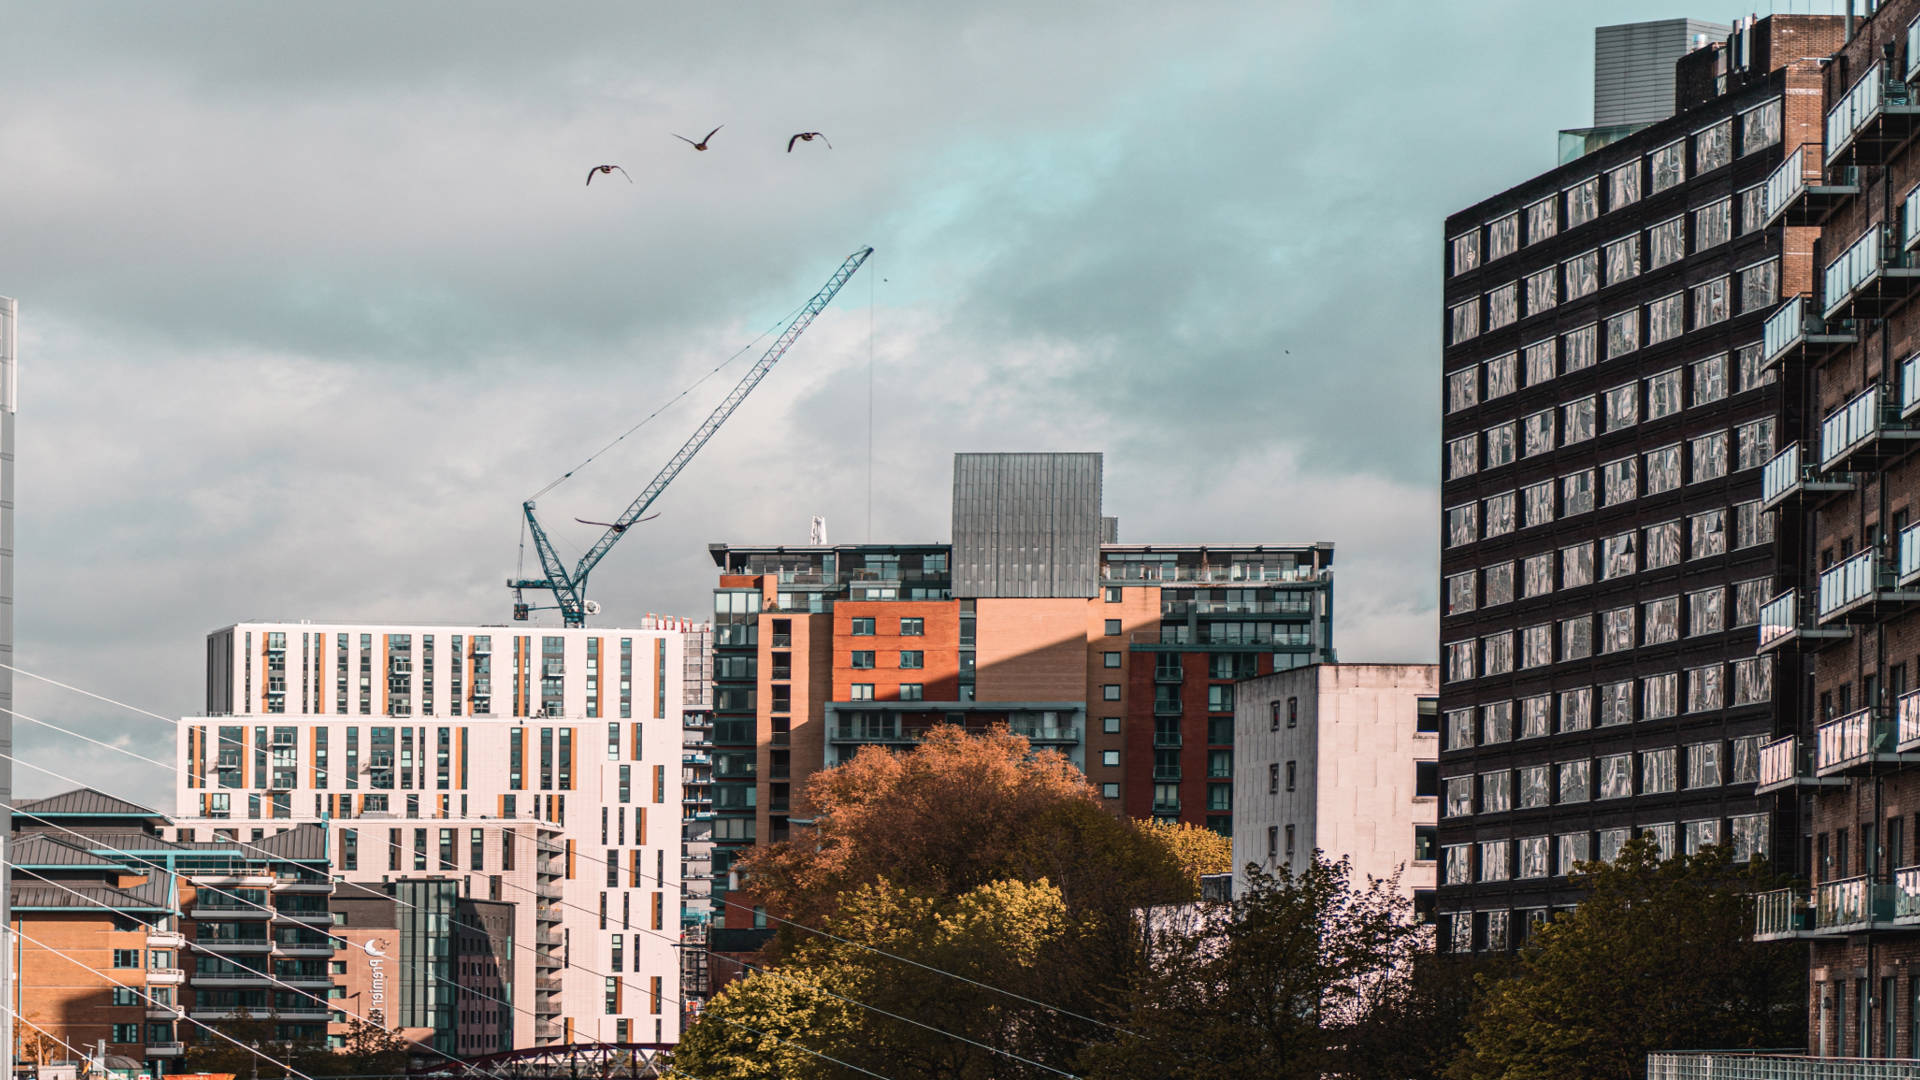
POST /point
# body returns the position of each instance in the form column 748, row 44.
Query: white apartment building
column 419, row 748
column 1343, row 758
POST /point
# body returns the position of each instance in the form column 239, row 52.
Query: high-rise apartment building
column 538, row 767
column 1340, row 758
column 1124, row 657
column 1611, row 395
column 1845, row 624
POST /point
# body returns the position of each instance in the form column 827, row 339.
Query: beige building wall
column 1328, row 754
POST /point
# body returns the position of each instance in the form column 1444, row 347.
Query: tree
column 763, row 1026
column 1660, row 955
column 1275, row 983
column 1198, row 851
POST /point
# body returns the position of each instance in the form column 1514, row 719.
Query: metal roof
column 87, row 802
column 155, row 895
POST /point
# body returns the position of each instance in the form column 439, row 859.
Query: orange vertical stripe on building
column 633, row 869
column 463, row 758
column 653, row 995
column 502, row 811
column 639, row 824
column 656, row 911
column 573, row 757
column 636, row 755
column 569, row 1025
column 569, row 860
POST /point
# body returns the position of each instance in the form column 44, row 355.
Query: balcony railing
column 1907, row 721
column 166, row 1049
column 1906, row 895
column 1781, row 914
column 1864, row 430
column 1795, row 326
column 1165, row 707
column 1798, row 192
column 1168, row 674
column 1852, row 904
column 1787, row 763
column 1781, row 623
column 1863, row 585
column 1873, row 116
column 1773, row 1065
column 1856, row 739
column 1871, row 278
column 1785, row 478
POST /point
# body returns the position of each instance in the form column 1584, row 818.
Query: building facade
column 539, row 768
column 1610, row 398
column 1343, row 759
column 1846, row 623
column 1124, row 657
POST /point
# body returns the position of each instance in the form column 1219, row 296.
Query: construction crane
column 569, row 586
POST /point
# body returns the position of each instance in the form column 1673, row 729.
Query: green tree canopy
column 1660, row 956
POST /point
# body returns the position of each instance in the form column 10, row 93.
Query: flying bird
column 615, row 526
column 808, row 136
column 702, row 144
column 605, row 170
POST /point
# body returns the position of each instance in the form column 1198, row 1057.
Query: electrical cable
column 681, row 886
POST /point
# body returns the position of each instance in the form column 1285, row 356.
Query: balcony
column 1788, row 763
column 1782, row 624
column 1166, row 738
column 165, row 976
column 163, row 1010
column 1860, row 738
column 1786, row 480
column 1166, row 706
column 1861, row 588
column 1782, row 915
column 1795, row 329
column 1773, row 1065
column 165, row 939
column 1876, row 115
column 1168, row 675
column 166, row 1049
column 1871, row 278
column 1907, row 722
column 304, row 948
column 1045, row 733
column 1864, row 432
column 231, row 979
column 1166, row 809
column 1799, row 194
column 1852, row 905
column 234, row 945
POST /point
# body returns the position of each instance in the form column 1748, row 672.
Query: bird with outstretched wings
column 702, row 144
column 605, row 170
column 614, row 525
column 808, row 136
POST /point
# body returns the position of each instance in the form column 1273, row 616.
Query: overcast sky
column 311, row 298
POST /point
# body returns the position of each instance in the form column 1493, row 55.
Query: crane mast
column 569, row 586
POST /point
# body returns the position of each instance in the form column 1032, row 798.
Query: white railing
column 1861, row 104
column 1909, row 552
column 1789, row 180
column 1906, row 894
column 1847, row 741
column 1854, row 901
column 1779, row 617
column 1907, row 721
column 1855, row 266
column 1784, row 328
column 1849, row 425
column 1780, row 475
column 1848, row 581
column 1910, row 381
column 1779, row 761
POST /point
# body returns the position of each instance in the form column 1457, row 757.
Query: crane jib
column 569, row 587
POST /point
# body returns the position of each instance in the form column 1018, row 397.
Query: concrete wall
column 1354, row 747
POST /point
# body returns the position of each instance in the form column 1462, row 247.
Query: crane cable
column 565, row 476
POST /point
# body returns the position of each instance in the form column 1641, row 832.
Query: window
column 1659, row 696
column 1623, row 259
column 1460, row 660
column 1533, row 856
column 1710, row 380
column 1706, row 611
column 1543, row 290
column 1669, row 165
column 1109, row 791
column 1576, row 493
column 1503, row 305
column 1623, row 333
column 1503, row 237
column 1577, row 421
column 1576, row 709
column 862, row 626
column 1753, row 208
column 1623, row 406
column 1536, row 786
column 1536, row 645
column 1537, row 433
column 1497, row 653
column 1662, row 469
column 1703, row 765
column 1110, row 725
column 1576, row 637
column 126, row 1033
column 1459, row 795
column 1582, row 202
column 1426, row 840
column 1536, row 575
column 1462, row 596
column 1616, row 702
column 1760, row 287
column 862, row 660
column 1500, row 445
column 1463, row 456
column 860, row 692
column 1494, row 864
column 1111, row 659
column 1463, row 392
column 1619, row 482
column 1426, row 779
column 1754, row 443
column 1657, row 771
column 1539, row 359
column 1760, row 127
column 1110, row 758
column 1110, row 692
column 1499, row 510
column 1465, row 321
column 1709, row 534
column 1582, row 276
column 1273, row 778
column 1616, row 776
column 913, row 627
column 1459, row 871
column 912, row 691
column 916, row 659
column 1459, row 732
column 126, row 958
column 1709, row 453
column 1536, row 506
column 1576, row 781
column 1660, row 621
column 1292, row 774
column 1572, row 851
column 1713, row 226
column 1661, row 545
column 1113, row 627
column 1666, row 243
column 1623, row 185
column 1496, row 722
column 1536, row 716
column 1576, row 565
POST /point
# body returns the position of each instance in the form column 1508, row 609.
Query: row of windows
column 866, row 626
column 1649, row 623
column 1705, row 304
column 1706, row 765
column 1543, row 856
column 1573, row 351
column 1658, row 698
column 1620, row 482
column 1752, row 444
column 908, row 692
column 1620, row 556
column 863, row 659
column 1656, row 171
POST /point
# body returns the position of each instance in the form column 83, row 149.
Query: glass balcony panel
column 1847, row 582
column 1851, row 740
column 1781, row 474
column 1784, row 328
column 1849, row 425
column 1855, row 266
column 1853, row 111
column 1779, row 618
